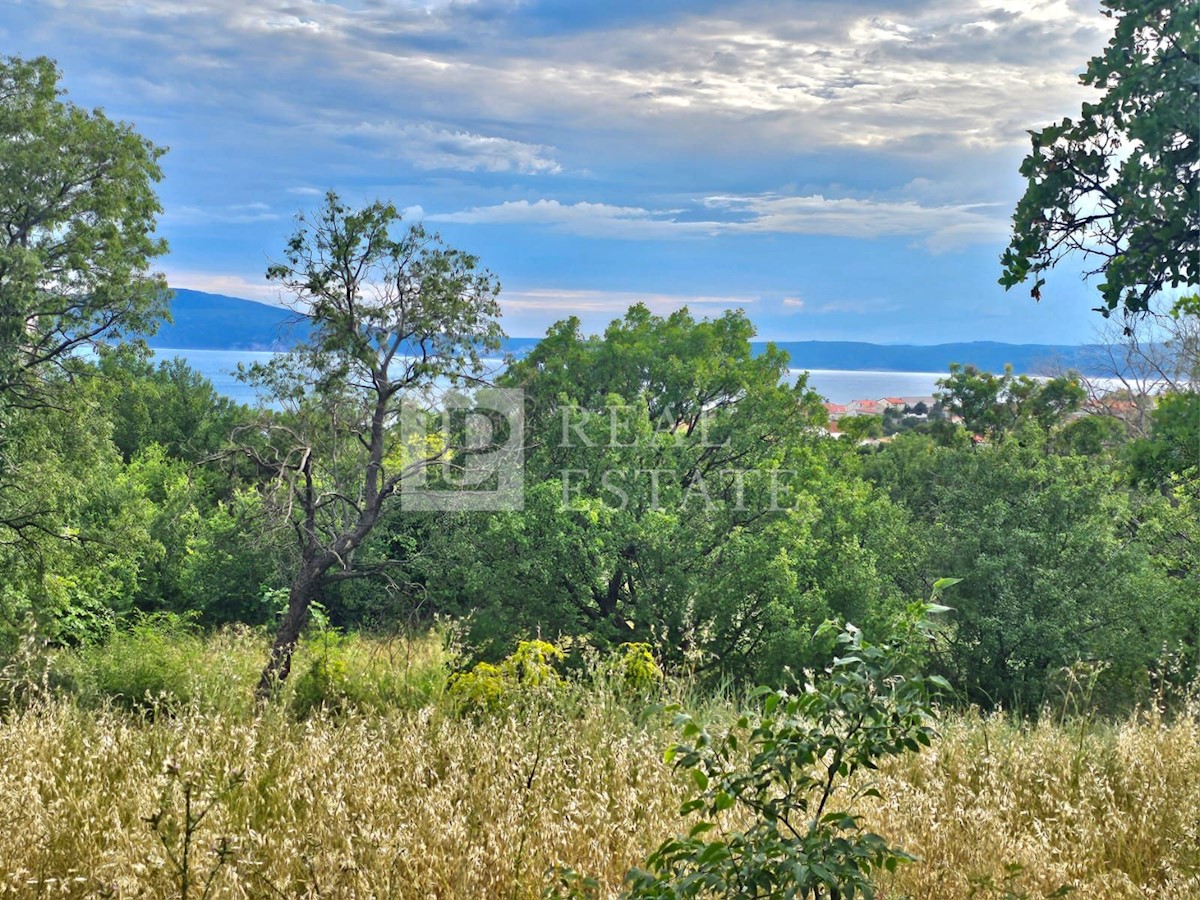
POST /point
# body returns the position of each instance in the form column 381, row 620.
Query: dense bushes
column 1071, row 547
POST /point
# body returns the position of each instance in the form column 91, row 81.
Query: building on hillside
column 865, row 408
column 836, row 410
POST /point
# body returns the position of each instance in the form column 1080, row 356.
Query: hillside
column 216, row 322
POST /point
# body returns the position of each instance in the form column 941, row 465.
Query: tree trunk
column 300, row 598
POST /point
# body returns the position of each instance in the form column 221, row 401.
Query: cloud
column 871, row 74
column 430, row 147
column 857, row 307
column 234, row 214
column 530, row 311
column 587, row 219
column 939, row 228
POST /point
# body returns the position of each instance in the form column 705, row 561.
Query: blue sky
column 840, row 170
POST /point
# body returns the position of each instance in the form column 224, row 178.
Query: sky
column 839, row 170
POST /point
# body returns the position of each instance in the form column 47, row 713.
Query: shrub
column 490, row 688
column 788, row 782
column 633, row 669
column 146, row 666
column 340, row 673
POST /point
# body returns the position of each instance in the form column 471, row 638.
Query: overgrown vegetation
column 405, row 796
column 480, row 699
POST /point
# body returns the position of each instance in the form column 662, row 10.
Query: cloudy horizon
column 840, row 171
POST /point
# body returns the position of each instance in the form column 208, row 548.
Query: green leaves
column 995, row 405
column 774, row 821
column 77, row 220
column 1132, row 217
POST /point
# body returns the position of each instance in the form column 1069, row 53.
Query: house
column 865, row 408
column 836, row 410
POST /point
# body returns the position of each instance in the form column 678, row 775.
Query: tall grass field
column 142, row 769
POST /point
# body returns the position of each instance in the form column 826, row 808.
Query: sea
column 835, row 385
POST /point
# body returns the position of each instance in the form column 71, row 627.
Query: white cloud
column 233, row 214
column 583, row 218
column 429, row 147
column 753, row 74
column 244, row 286
column 940, row 228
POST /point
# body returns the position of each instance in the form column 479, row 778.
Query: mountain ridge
column 205, row 321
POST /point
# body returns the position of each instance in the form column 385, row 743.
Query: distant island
column 204, row 321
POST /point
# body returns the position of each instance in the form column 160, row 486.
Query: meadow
column 141, row 768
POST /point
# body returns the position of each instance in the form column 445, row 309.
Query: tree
column 1169, row 457
column 1057, row 564
column 389, row 316
column 679, row 491
column 76, row 543
column 77, row 218
column 996, row 404
column 1120, row 186
column 862, row 428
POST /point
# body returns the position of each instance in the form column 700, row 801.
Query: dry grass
column 420, row 803
column 408, row 805
column 1112, row 811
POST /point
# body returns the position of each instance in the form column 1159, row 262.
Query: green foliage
column 1058, row 563
column 77, row 214
column 681, row 368
column 1090, row 435
column 341, row 674
column 677, row 493
column 1172, row 451
column 1120, row 185
column 995, row 405
column 145, row 665
column 530, row 670
column 74, row 541
column 169, row 405
column 323, row 684
column 859, row 428
column 633, row 667
column 785, row 770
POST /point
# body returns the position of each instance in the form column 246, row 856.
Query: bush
column 633, row 670
column 146, row 666
column 489, row 688
column 340, row 673
column 788, row 781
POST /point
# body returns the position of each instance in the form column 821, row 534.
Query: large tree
column 994, row 405
column 77, row 219
column 1120, row 185
column 680, row 492
column 390, row 315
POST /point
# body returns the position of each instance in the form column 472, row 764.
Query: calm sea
column 834, row 385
